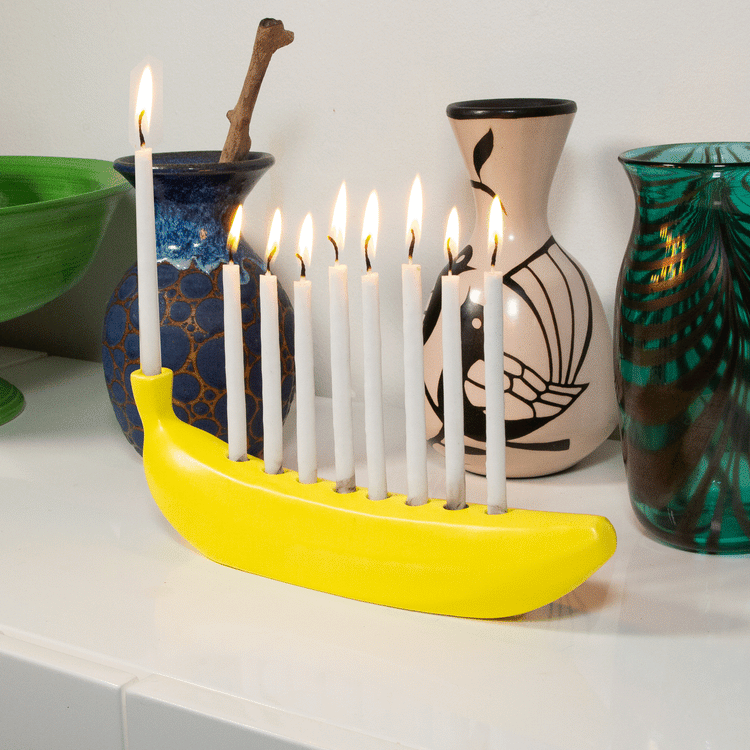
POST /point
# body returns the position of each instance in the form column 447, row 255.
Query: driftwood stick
column 270, row 37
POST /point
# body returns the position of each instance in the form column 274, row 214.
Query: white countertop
column 114, row 633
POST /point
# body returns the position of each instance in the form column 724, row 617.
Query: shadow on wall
column 71, row 325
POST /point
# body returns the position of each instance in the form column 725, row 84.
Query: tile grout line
column 123, row 711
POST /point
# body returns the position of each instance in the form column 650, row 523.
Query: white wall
column 360, row 95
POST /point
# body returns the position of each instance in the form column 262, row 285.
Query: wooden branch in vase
column 271, row 36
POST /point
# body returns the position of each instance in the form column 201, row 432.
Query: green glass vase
column 682, row 344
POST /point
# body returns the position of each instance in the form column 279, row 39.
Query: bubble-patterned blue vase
column 195, row 198
column 682, row 344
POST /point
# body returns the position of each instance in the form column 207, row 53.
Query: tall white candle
column 148, row 286
column 234, row 351
column 341, row 375
column 494, row 375
column 453, row 387
column 411, row 291
column 270, row 357
column 307, row 461
column 373, row 366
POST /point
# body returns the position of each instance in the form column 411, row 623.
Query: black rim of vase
column 197, row 162
column 508, row 109
column 710, row 152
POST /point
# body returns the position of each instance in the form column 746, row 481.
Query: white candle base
column 373, row 385
column 149, row 335
column 416, row 430
column 453, row 395
column 346, row 485
column 341, row 379
column 273, row 438
column 494, row 386
column 307, row 461
column 234, row 364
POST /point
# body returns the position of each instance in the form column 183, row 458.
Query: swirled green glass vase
column 682, row 344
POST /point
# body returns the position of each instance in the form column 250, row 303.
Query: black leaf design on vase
column 482, row 151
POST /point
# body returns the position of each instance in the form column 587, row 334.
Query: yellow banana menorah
column 424, row 558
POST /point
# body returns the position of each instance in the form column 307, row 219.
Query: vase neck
column 195, row 198
column 193, row 217
column 523, row 231
column 515, row 159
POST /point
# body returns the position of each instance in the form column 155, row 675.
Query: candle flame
column 144, row 103
column 414, row 216
column 451, row 238
column 274, row 237
column 370, row 228
column 495, row 230
column 338, row 223
column 233, row 240
column 304, row 249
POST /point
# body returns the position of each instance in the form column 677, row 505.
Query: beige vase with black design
column 559, row 390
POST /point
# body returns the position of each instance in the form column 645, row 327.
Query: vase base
column 701, row 541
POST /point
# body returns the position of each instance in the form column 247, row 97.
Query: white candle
column 270, row 357
column 307, row 460
column 411, row 291
column 453, row 387
column 494, row 363
column 373, row 366
column 234, row 351
column 148, row 285
column 341, row 377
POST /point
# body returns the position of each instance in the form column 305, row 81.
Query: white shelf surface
column 115, row 633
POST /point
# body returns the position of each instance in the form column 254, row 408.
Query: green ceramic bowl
column 53, row 213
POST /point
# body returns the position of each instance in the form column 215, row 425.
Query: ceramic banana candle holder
column 424, row 558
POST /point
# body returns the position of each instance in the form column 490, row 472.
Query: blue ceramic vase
column 195, row 198
column 682, row 345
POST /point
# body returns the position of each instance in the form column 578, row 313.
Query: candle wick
column 367, row 257
column 335, row 247
column 494, row 255
column 302, row 264
column 450, row 258
column 411, row 244
column 270, row 257
column 140, row 128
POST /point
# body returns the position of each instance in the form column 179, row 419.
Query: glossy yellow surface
column 424, row 558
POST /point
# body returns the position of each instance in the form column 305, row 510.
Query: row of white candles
column 453, row 393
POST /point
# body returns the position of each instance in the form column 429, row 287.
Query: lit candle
column 148, row 285
column 341, row 376
column 234, row 351
column 270, row 357
column 453, row 386
column 307, row 460
column 494, row 365
column 411, row 291
column 373, row 366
